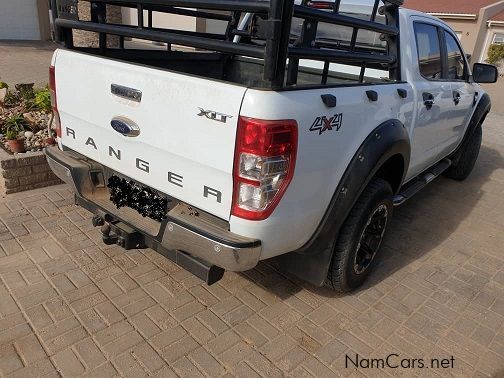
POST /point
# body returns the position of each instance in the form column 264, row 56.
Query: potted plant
column 14, row 141
column 15, row 127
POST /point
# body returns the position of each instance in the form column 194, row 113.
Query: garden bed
column 26, row 123
column 25, row 171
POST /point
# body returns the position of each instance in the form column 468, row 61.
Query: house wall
column 82, row 38
column 43, row 18
column 485, row 14
column 492, row 30
column 160, row 20
column 468, row 29
column 474, row 32
column 172, row 21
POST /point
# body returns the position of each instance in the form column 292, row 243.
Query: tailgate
column 184, row 148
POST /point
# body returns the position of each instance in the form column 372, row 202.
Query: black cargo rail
column 193, row 39
column 268, row 37
column 238, row 5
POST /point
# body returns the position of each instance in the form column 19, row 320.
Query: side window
column 456, row 62
column 498, row 38
column 429, row 51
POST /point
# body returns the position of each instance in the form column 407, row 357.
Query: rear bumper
column 182, row 231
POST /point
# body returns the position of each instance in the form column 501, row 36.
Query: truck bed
column 240, row 70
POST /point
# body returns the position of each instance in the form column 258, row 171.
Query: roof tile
column 452, row 7
column 498, row 17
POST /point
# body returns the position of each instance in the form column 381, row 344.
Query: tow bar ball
column 108, row 236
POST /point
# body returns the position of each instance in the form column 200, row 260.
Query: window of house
column 429, row 51
column 456, row 62
column 498, row 38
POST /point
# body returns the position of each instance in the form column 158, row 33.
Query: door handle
column 456, row 97
column 428, row 100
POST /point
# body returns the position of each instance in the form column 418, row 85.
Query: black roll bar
column 338, row 19
column 257, row 6
column 274, row 44
column 194, row 40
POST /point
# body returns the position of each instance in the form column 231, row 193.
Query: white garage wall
column 160, row 20
column 19, row 20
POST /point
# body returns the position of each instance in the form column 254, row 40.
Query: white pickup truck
column 291, row 132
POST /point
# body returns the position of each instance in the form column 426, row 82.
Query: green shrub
column 3, row 85
column 15, row 124
column 495, row 53
column 43, row 100
column 11, row 135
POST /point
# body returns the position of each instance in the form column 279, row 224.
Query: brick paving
column 70, row 305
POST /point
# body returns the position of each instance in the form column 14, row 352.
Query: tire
column 349, row 268
column 464, row 165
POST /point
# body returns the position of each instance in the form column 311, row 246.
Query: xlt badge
column 213, row 115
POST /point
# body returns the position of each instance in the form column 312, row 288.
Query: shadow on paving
column 420, row 226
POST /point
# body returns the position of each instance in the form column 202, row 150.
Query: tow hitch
column 116, row 232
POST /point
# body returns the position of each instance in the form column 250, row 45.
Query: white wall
column 160, row 20
column 19, row 20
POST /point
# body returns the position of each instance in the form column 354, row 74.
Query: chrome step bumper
column 181, row 230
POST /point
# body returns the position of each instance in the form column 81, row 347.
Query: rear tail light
column 54, row 102
column 264, row 164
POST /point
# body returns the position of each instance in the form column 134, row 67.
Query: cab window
column 456, row 61
column 429, row 51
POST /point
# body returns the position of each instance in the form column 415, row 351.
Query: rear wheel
column 464, row 165
column 360, row 237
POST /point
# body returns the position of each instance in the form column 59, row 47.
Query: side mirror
column 485, row 73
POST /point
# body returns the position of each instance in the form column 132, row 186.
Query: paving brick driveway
column 71, row 305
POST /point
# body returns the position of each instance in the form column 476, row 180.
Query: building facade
column 495, row 32
column 478, row 23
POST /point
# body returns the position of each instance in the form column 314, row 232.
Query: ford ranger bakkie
column 225, row 132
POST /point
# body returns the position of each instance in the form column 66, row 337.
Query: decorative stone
column 30, row 118
column 28, row 134
column 3, row 93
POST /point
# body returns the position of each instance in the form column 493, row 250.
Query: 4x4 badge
column 323, row 123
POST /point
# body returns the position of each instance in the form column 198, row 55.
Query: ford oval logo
column 125, row 126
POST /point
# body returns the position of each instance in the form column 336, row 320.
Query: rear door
column 186, row 126
column 433, row 128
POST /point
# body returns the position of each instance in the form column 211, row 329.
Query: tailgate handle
column 126, row 92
